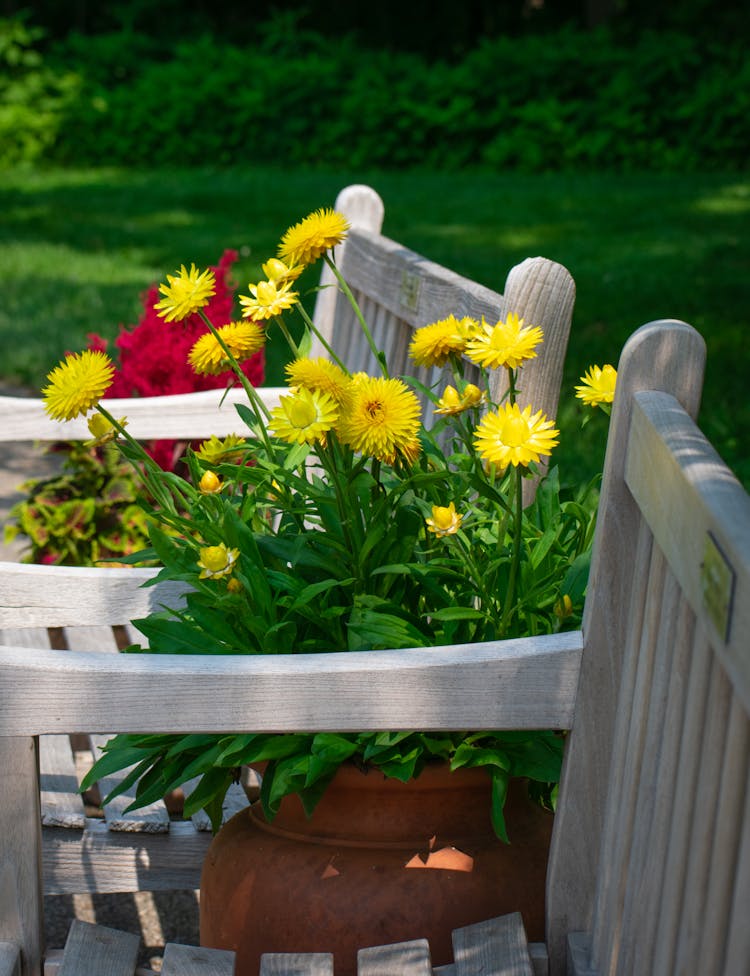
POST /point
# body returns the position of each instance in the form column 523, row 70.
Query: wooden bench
column 399, row 291
column 650, row 865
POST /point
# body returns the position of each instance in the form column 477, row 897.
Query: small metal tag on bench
column 409, row 293
column 717, row 583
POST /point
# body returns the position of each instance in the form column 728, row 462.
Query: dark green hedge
column 569, row 100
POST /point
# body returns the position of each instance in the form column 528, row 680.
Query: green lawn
column 78, row 247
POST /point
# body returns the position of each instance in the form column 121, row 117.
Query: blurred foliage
column 569, row 100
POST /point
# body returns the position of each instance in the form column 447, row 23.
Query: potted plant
column 340, row 522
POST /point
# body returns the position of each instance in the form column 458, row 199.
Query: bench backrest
column 651, row 856
column 399, row 291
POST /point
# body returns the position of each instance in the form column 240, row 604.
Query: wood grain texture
column 21, row 920
column 98, row 949
column 182, row 960
column 296, row 964
column 496, row 947
column 686, row 492
column 737, row 948
column 10, row 959
column 405, row 958
column 69, row 596
column 524, row 683
column 183, row 416
column 663, row 356
column 100, row 860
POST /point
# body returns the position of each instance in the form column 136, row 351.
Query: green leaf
column 458, row 613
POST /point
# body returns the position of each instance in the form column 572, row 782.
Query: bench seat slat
column 101, row 860
column 296, row 964
column 10, row 959
column 497, row 947
column 405, row 958
column 98, row 949
column 182, row 960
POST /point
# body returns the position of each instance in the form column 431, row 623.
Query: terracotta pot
column 378, row 862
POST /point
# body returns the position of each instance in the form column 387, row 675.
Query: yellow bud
column 564, row 607
column 472, row 396
column 210, row 483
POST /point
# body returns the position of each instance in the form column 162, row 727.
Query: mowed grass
column 77, row 248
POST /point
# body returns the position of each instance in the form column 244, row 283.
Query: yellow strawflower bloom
column 444, row 521
column 319, row 374
column 217, row 561
column 453, row 402
column 597, row 386
column 433, row 344
column 511, row 436
column 318, row 232
column 101, row 429
column 243, row 339
column 507, row 343
column 277, row 271
column 77, row 384
column 382, row 419
column 214, row 450
column 268, row 299
column 185, row 292
column 304, row 417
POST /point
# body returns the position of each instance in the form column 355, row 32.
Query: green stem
column 516, row 554
column 287, row 335
column 377, row 353
column 259, row 408
column 320, row 337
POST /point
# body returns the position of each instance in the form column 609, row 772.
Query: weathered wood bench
column 650, row 866
column 399, row 291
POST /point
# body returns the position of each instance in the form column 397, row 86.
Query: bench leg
column 21, row 906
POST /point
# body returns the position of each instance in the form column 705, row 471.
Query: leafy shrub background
column 570, row 99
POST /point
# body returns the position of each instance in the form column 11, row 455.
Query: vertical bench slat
column 669, row 904
column 93, row 949
column 726, row 839
column 704, row 819
column 405, row 958
column 497, row 947
column 648, row 714
column 181, row 960
column 738, row 938
column 605, row 902
column 655, row 841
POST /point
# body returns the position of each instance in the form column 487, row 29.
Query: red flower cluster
column 153, row 355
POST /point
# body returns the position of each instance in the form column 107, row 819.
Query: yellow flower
column 279, row 272
column 243, row 339
column 444, row 521
column 304, row 417
column 511, row 436
column 382, row 419
column 433, row 344
column 234, row 585
column 214, row 450
column 101, row 429
column 563, row 607
column 506, row 343
column 77, row 384
column 319, row 374
column 210, row 483
column 269, row 298
column 598, row 386
column 217, row 561
column 185, row 292
column 306, row 241
column 452, row 402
